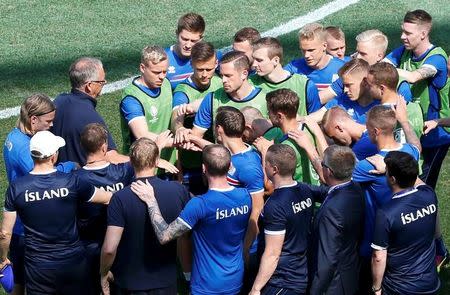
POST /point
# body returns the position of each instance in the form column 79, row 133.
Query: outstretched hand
column 166, row 165
column 262, row 144
column 185, row 109
column 429, row 125
column 163, row 139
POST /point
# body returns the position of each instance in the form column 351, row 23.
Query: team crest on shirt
column 9, row 145
column 232, row 170
column 154, row 114
column 334, row 77
column 351, row 112
column 171, row 70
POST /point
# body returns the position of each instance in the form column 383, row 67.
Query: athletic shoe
column 7, row 278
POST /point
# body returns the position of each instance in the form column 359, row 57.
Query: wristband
column 375, row 289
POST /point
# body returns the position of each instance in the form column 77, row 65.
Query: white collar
column 335, row 187
column 96, row 168
column 288, row 185
column 43, row 172
column 222, row 189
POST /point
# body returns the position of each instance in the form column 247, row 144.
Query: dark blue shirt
column 92, row 217
column 18, row 162
column 47, row 204
column 405, row 228
column 73, row 112
column 289, row 211
column 142, row 263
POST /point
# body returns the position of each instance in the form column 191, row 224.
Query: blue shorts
column 64, row 279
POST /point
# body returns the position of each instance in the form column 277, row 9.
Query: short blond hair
column 154, row 54
column 143, row 154
column 312, row 31
column 375, row 37
column 335, row 33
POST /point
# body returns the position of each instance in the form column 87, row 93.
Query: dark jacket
column 337, row 233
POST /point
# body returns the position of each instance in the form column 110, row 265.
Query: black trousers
column 432, row 162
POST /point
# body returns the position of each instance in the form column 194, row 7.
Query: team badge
column 171, row 70
column 154, row 114
column 9, row 145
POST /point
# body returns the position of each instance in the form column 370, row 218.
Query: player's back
column 246, row 171
column 46, row 204
column 91, row 218
column 411, row 250
column 218, row 236
column 141, row 260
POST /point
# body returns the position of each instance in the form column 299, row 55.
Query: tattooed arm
column 422, row 73
column 164, row 232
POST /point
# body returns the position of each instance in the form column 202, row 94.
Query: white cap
column 45, row 144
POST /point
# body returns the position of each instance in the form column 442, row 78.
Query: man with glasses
column 77, row 109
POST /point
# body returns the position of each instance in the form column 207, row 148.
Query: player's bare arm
column 422, row 73
column 139, row 128
column 402, row 118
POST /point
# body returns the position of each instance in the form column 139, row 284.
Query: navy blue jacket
column 73, row 112
column 338, row 228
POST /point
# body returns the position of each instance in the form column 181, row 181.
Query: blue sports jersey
column 352, row 107
column 322, row 77
column 347, row 58
column 92, row 217
column 18, row 162
column 219, row 221
column 403, row 89
column 289, row 211
column 363, row 147
column 47, row 205
column 376, row 191
column 405, row 228
column 246, row 171
column 204, row 119
column 180, row 97
column 437, row 136
column 131, row 108
column 179, row 68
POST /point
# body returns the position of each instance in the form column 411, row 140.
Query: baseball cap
column 7, row 278
column 44, row 144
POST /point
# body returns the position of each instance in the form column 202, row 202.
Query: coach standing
column 77, row 109
column 338, row 227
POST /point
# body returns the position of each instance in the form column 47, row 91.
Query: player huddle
column 243, row 175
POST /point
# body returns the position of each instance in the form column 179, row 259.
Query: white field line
column 292, row 25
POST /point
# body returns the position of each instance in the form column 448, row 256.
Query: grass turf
column 39, row 41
